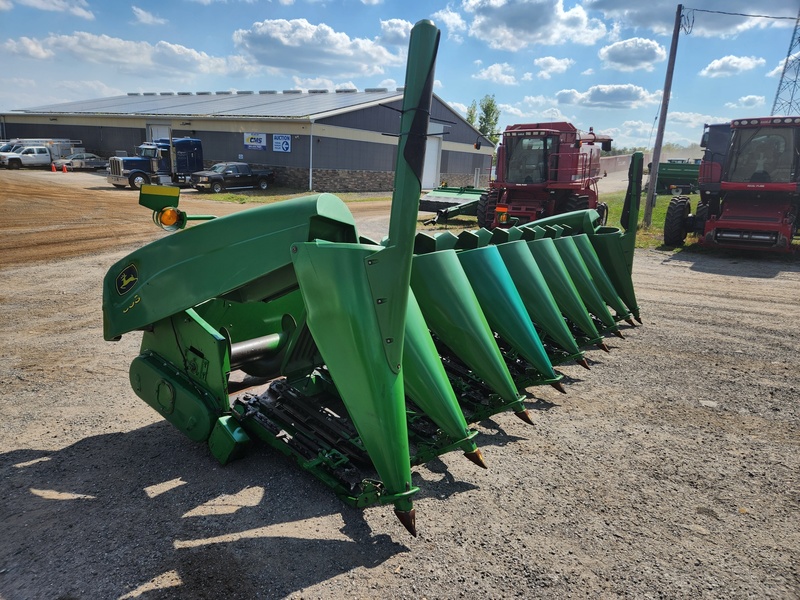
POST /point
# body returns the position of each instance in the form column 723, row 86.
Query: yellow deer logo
column 127, row 279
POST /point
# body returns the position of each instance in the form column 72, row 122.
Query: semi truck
column 163, row 161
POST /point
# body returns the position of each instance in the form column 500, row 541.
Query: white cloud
column 513, row 25
column 497, row 73
column 610, row 96
column 632, row 54
column 396, row 32
column 77, row 8
column 146, row 18
column 28, row 47
column 693, row 120
column 747, row 102
column 728, row 66
column 453, row 22
column 778, row 70
column 462, row 108
column 550, row 65
column 314, row 49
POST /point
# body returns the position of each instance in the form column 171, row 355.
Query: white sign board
column 255, row 141
column 281, row 143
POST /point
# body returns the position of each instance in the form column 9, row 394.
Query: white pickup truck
column 27, row 156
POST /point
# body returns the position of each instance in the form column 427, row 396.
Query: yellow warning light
column 170, row 218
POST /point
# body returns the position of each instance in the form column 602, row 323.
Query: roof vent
column 373, row 90
column 203, row 93
column 223, row 93
column 167, row 93
column 184, row 93
column 134, row 94
column 268, row 91
column 292, row 91
column 244, row 92
column 149, row 94
column 400, row 89
column 317, row 91
column 346, row 90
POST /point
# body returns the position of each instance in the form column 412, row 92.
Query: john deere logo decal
column 127, row 279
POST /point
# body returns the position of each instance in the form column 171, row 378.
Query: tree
column 472, row 114
column 490, row 115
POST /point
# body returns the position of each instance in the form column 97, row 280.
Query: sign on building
column 281, row 143
column 255, row 141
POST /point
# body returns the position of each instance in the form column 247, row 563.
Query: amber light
column 169, row 218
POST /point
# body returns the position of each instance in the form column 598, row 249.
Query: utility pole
column 787, row 98
column 662, row 120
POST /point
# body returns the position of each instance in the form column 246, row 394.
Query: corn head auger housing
column 360, row 359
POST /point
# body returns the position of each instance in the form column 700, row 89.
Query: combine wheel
column 216, row 187
column 700, row 218
column 602, row 209
column 576, row 202
column 485, row 209
column 675, row 221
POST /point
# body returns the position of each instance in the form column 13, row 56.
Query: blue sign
column 255, row 141
column 281, row 143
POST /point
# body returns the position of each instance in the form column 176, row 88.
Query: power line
column 733, row 14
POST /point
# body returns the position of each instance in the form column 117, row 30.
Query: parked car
column 230, row 175
column 82, row 160
column 27, row 156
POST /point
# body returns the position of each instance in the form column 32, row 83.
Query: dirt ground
column 669, row 470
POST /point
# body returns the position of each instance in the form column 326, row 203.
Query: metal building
column 318, row 140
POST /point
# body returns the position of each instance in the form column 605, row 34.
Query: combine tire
column 575, row 202
column 700, row 218
column 485, row 209
column 675, row 221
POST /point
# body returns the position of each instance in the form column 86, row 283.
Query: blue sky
column 596, row 63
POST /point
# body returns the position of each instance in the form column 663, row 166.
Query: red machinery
column 753, row 200
column 543, row 169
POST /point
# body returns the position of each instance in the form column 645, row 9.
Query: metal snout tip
column 559, row 386
column 630, row 322
column 477, row 457
column 618, row 333
column 584, row 363
column 409, row 520
column 603, row 347
column 638, row 320
column 525, row 416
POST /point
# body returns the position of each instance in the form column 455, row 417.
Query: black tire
column 137, row 180
column 217, row 187
column 485, row 209
column 700, row 218
column 602, row 210
column 576, row 202
column 14, row 164
column 263, row 184
column 675, row 221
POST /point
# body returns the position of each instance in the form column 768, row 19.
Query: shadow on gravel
column 756, row 264
column 149, row 514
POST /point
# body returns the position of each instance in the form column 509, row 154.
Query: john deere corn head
column 360, row 359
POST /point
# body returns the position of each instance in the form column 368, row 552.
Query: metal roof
column 267, row 104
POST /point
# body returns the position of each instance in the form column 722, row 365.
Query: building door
column 155, row 132
column 433, row 157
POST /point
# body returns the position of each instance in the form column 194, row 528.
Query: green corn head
column 357, row 359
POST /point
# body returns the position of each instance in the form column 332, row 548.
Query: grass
column 278, row 194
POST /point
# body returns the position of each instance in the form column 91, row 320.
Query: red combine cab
column 750, row 193
column 543, row 169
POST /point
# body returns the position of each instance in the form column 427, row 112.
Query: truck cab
column 159, row 162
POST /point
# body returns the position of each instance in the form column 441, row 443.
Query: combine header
column 355, row 358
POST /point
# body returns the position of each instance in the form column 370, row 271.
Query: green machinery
column 359, row 359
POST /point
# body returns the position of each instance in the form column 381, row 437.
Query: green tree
column 472, row 114
column 490, row 115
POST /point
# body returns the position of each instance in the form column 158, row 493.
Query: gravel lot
column 669, row 470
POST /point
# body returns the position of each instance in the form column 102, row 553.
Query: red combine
column 543, row 169
column 749, row 187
